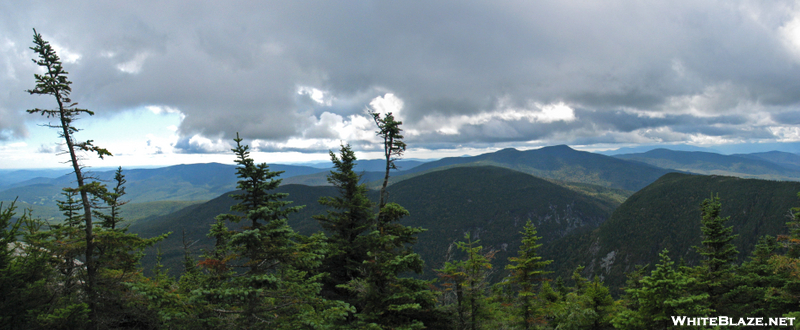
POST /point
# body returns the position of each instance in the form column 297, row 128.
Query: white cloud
column 786, row 133
column 159, row 109
column 534, row 113
column 388, row 103
column 789, row 34
column 66, row 55
column 315, row 94
column 134, row 66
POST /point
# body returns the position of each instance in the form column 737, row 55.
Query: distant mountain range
column 771, row 165
column 587, row 172
column 561, row 163
column 646, row 148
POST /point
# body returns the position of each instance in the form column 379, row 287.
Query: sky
column 173, row 82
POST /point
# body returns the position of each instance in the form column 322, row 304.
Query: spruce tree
column 384, row 298
column 347, row 222
column 54, row 82
column 113, row 201
column 393, row 147
column 666, row 292
column 118, row 257
column 25, row 272
column 264, row 279
column 783, row 297
column 755, row 279
column 589, row 305
column 719, row 254
column 527, row 269
column 468, row 281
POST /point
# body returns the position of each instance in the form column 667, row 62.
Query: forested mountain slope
column 489, row 202
column 666, row 214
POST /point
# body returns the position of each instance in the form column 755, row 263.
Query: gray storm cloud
column 627, row 71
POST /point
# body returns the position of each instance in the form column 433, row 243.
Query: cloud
column 298, row 75
column 198, row 144
column 51, row 149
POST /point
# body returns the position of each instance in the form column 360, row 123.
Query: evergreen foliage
column 719, row 254
column 393, row 147
column 527, row 269
column 466, row 283
column 262, row 276
column 667, row 291
column 385, row 299
column 348, row 221
column 718, row 251
column 54, row 82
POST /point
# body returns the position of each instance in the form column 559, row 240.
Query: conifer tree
column 113, row 201
column 347, row 224
column 54, row 82
column 67, row 240
column 24, row 273
column 719, row 254
column 384, row 298
column 750, row 295
column 664, row 293
column 527, row 269
column 468, row 280
column 118, row 257
column 274, row 287
column 783, row 297
column 589, row 305
column 393, row 147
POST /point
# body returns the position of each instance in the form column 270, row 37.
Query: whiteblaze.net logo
column 732, row 321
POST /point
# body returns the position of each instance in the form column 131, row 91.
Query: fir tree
column 393, row 147
column 118, row 257
column 527, row 269
column 589, row 305
column 55, row 82
column 719, row 254
column 24, row 273
column 347, row 224
column 114, row 202
column 275, row 288
column 664, row 293
column 783, row 297
column 384, row 298
column 753, row 283
column 467, row 280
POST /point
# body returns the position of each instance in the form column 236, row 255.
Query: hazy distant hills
column 771, row 165
column 561, row 163
column 490, row 202
column 179, row 183
column 8, row 178
column 646, row 148
column 370, row 170
column 785, row 159
column 666, row 214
